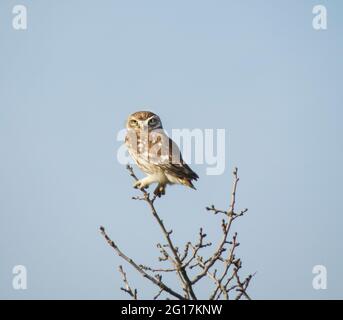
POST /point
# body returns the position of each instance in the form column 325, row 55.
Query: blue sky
column 255, row 68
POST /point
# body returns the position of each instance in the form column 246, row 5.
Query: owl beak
column 144, row 127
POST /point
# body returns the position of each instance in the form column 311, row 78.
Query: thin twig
column 158, row 283
column 177, row 261
column 127, row 289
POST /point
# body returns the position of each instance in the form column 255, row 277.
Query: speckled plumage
column 155, row 153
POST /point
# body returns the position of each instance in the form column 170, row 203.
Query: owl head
column 144, row 120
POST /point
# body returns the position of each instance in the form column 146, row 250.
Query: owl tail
column 188, row 183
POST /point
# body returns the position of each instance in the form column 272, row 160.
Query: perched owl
column 155, row 153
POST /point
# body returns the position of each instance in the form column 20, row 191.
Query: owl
column 156, row 154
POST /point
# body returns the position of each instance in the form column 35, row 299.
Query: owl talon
column 136, row 185
column 160, row 191
column 139, row 185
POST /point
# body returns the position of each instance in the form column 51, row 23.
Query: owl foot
column 140, row 185
column 160, row 191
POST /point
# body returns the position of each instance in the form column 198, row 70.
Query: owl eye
column 152, row 122
column 133, row 123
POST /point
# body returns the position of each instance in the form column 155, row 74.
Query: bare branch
column 158, row 283
column 158, row 295
column 191, row 257
column 127, row 289
column 225, row 228
column 177, row 260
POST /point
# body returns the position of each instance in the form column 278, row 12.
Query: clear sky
column 256, row 68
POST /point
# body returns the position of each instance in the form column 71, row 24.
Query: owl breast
column 146, row 152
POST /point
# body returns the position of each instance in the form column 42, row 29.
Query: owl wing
column 176, row 165
column 162, row 153
column 169, row 158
